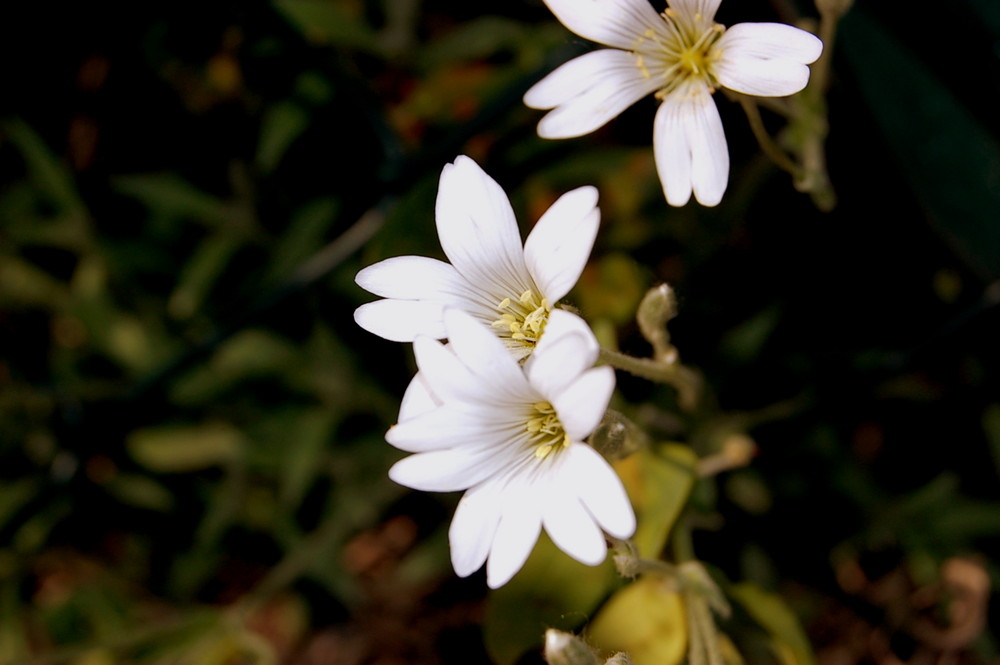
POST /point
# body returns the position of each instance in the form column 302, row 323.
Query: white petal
column 587, row 92
column 477, row 229
column 701, row 10
column 766, row 59
column 557, row 249
column 479, row 429
column 600, row 490
column 401, row 320
column 486, row 356
column 446, row 376
column 412, row 278
column 418, row 399
column 573, row 529
column 582, row 404
column 516, row 535
column 689, row 145
column 567, row 348
column 473, row 527
column 444, row 470
column 563, row 322
column 617, row 23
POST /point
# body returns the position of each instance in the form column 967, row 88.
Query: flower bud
column 658, row 306
column 562, row 648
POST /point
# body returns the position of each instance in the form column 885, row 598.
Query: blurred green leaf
column 25, row 284
column 552, row 590
column 167, row 194
column 328, row 22
column 178, row 449
column 646, row 619
column 200, row 272
column 283, row 122
column 744, row 342
column 478, row 38
column 140, row 491
column 659, row 483
column 952, row 162
column 47, row 172
column 14, row 495
column 303, row 448
column 304, row 235
column 789, row 642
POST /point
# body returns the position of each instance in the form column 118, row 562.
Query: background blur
column 192, row 462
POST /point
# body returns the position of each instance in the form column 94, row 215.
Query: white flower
column 683, row 56
column 491, row 276
column 511, row 435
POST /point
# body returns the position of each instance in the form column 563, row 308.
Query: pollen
column 547, row 433
column 522, row 321
column 680, row 50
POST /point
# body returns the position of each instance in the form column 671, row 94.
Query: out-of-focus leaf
column 788, row 641
column 282, row 123
column 166, row 194
column 611, row 288
column 952, row 162
column 302, row 238
column 140, row 491
column 552, row 590
column 744, row 342
column 45, row 171
column 478, row 38
column 15, row 494
column 328, row 22
column 13, row 636
column 200, row 273
column 173, row 449
column 646, row 619
column 303, row 448
column 659, row 483
column 249, row 353
column 25, row 284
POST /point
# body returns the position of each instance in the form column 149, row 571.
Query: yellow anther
column 504, row 304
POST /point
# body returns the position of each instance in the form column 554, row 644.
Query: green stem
column 764, row 139
column 683, row 379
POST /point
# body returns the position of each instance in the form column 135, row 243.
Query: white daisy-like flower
column 491, row 276
column 512, row 436
column 682, row 55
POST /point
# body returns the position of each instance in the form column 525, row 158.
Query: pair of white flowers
column 502, row 410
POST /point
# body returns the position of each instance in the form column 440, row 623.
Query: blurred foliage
column 192, row 462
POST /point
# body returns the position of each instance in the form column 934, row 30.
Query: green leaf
column 201, row 271
column 140, row 491
column 282, row 123
column 327, row 22
column 951, row 161
column 789, row 642
column 552, row 590
column 46, row 172
column 166, row 194
column 174, row 449
column 646, row 619
column 659, row 484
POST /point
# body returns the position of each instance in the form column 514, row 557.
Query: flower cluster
column 502, row 410
column 681, row 55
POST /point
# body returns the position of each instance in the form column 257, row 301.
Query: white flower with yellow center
column 512, row 436
column 681, row 55
column 491, row 276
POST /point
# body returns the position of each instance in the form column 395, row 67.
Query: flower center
column 684, row 51
column 522, row 321
column 547, row 433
